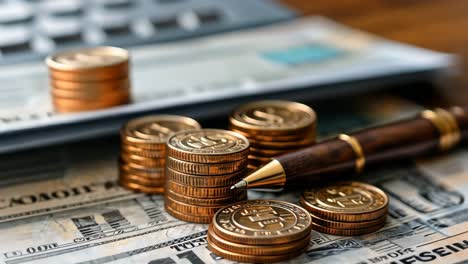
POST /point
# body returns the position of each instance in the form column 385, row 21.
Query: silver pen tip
column 239, row 185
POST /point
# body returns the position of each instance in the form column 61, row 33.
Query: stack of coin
column 143, row 150
column 260, row 231
column 89, row 79
column 274, row 128
column 202, row 165
column 346, row 208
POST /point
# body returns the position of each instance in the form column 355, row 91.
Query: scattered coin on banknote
column 201, row 166
column 89, row 79
column 346, row 208
column 143, row 150
column 273, row 128
column 260, row 231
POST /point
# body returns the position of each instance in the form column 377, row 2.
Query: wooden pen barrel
column 390, row 142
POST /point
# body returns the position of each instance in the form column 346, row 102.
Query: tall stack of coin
column 260, row 231
column 274, row 128
column 346, row 208
column 143, row 150
column 89, row 79
column 201, row 167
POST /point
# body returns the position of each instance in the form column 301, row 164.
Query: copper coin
column 258, row 160
column 90, row 95
column 282, row 145
column 348, row 225
column 346, row 232
column 262, row 222
column 346, row 202
column 141, row 171
column 152, row 132
column 268, row 153
column 205, row 180
column 273, row 118
column 251, row 258
column 143, row 161
column 206, row 168
column 207, row 201
column 190, row 208
column 208, row 146
column 100, row 86
column 140, row 188
column 285, row 138
column 201, row 192
column 89, row 64
column 150, row 182
column 148, row 153
column 188, row 218
column 259, row 250
column 82, row 105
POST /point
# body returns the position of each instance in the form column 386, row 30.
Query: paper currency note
column 75, row 213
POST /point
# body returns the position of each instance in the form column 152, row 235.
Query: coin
column 90, row 64
column 273, row 118
column 251, row 258
column 284, row 138
column 141, row 171
column 208, row 146
column 203, row 192
column 205, row 168
column 267, row 153
column 347, row 232
column 262, row 222
column 190, row 208
column 143, row 161
column 205, row 180
column 346, row 202
column 141, row 188
column 84, row 96
column 101, row 86
column 150, row 182
column 260, row 250
column 348, row 225
column 188, row 218
column 143, row 152
column 152, row 132
column 282, row 145
column 207, row 201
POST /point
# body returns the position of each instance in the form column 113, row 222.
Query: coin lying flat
column 100, row 87
column 348, row 225
column 201, row 192
column 346, row 202
column 347, row 232
column 190, row 208
column 151, row 132
column 272, row 117
column 187, row 217
column 262, row 222
column 205, row 168
column 141, row 171
column 208, row 146
column 206, row 201
column 205, row 180
column 141, row 188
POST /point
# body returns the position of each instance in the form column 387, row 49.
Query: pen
column 429, row 132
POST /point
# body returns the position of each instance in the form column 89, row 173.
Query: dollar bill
column 74, row 212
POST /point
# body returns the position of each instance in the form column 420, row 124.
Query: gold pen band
column 357, row 149
column 446, row 124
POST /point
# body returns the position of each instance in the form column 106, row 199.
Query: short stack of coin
column 201, row 166
column 346, row 208
column 260, row 231
column 274, row 128
column 143, row 150
column 89, row 79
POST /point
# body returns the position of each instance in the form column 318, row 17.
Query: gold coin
column 273, row 118
column 150, row 182
column 285, row 138
column 262, row 222
column 152, row 132
column 346, row 202
column 141, row 171
column 348, row 225
column 251, row 258
column 188, row 218
column 89, row 64
column 261, row 250
column 208, row 146
column 282, row 145
column 207, row 201
column 206, row 168
column 148, row 153
column 191, row 209
column 201, row 192
column 140, row 188
column 98, row 86
column 206, row 180
column 143, row 161
column 347, row 232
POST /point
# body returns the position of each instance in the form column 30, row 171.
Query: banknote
column 309, row 56
column 74, row 212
